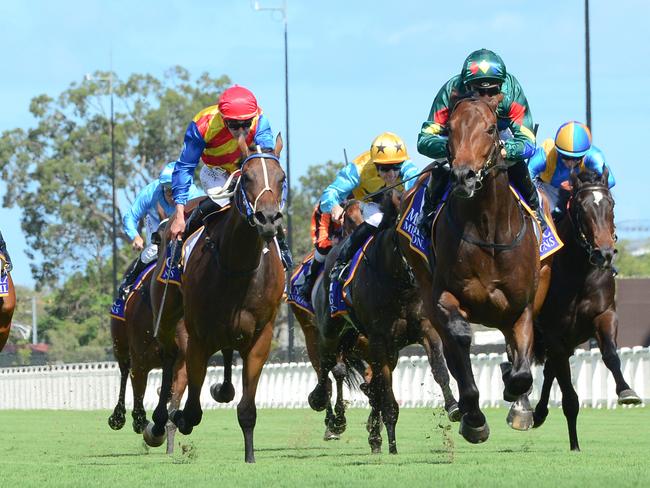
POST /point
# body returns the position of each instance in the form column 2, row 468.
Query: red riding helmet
column 238, row 103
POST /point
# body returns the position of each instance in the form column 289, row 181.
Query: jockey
column 153, row 203
column 553, row 162
column 386, row 163
column 212, row 137
column 484, row 72
column 7, row 266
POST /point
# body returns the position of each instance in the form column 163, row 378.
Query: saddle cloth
column 118, row 309
column 296, row 281
column 340, row 299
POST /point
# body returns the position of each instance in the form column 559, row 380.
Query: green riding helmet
column 485, row 68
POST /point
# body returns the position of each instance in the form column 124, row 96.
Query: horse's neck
column 240, row 243
column 572, row 257
column 387, row 253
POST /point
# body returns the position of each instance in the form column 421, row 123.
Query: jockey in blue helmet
column 154, row 203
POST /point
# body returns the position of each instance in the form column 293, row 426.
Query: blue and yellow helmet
column 165, row 178
column 573, row 139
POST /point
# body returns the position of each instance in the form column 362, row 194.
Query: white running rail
column 92, row 386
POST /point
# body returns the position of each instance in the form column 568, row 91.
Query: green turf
column 50, row 448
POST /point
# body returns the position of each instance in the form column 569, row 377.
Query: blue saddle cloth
column 118, row 309
column 296, row 281
column 338, row 293
column 168, row 273
column 4, row 285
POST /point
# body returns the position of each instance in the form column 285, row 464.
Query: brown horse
column 581, row 301
column 335, row 422
column 137, row 352
column 388, row 310
column 7, row 306
column 486, row 259
column 232, row 288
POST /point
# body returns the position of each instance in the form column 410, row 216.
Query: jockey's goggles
column 572, row 161
column 385, row 168
column 167, row 188
column 238, row 124
column 489, row 91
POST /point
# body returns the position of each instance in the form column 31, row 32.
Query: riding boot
column 560, row 208
column 285, row 252
column 349, row 247
column 8, row 266
column 200, row 212
column 304, row 291
column 518, row 175
column 434, row 193
column 136, row 267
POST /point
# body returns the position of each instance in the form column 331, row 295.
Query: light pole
column 283, row 9
column 109, row 79
column 587, row 66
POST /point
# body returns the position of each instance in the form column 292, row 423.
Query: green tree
column 59, row 171
column 630, row 266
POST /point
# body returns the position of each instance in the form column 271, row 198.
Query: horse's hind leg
column 196, row 360
column 224, row 392
column 541, row 409
column 319, row 397
column 606, row 327
column 570, row 402
column 254, row 360
column 374, row 423
column 139, row 376
column 179, row 386
column 118, row 418
column 382, row 374
column 339, row 422
column 433, row 346
column 154, row 433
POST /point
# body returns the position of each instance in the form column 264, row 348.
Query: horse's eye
column 492, row 130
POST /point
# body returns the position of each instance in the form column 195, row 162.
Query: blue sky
column 356, row 68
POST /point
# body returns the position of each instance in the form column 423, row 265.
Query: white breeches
column 372, row 213
column 551, row 192
column 212, row 178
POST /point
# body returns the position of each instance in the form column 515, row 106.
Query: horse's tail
column 539, row 346
column 355, row 368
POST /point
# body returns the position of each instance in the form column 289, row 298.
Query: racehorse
column 387, row 309
column 7, row 306
column 486, row 259
column 335, row 421
column 232, row 287
column 581, row 300
column 137, row 352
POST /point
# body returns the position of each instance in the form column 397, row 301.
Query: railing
column 93, row 386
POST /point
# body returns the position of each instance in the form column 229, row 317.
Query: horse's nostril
column 260, row 217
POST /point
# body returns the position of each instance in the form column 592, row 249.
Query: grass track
column 63, row 448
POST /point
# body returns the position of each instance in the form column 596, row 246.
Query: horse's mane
column 390, row 211
column 589, row 176
column 456, row 97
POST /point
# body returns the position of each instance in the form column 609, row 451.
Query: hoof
column 152, row 439
column 520, row 418
column 116, row 421
column 222, row 392
column 475, row 435
column 539, row 419
column 317, row 400
column 375, row 449
column 179, row 420
column 453, row 412
column 330, row 436
column 628, row 397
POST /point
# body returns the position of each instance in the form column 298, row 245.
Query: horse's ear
column 574, row 180
column 241, row 141
column 278, row 145
column 605, row 176
column 494, row 101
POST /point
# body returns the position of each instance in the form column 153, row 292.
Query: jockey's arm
column 142, row 203
column 347, row 179
column 537, row 164
column 409, row 170
column 263, row 134
column 522, row 144
column 432, row 139
column 595, row 161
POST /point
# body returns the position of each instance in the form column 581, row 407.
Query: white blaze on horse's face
column 598, row 196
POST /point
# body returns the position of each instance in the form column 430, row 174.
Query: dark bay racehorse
column 388, row 309
column 137, row 353
column 581, row 301
column 335, row 421
column 232, row 287
column 7, row 306
column 486, row 259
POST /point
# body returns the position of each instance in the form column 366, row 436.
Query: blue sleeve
column 347, row 179
column 409, row 170
column 537, row 163
column 193, row 147
column 595, row 161
column 142, row 203
column 194, row 192
column 263, row 135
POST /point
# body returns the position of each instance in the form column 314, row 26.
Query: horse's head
column 261, row 189
column 473, row 144
column 352, row 216
column 591, row 210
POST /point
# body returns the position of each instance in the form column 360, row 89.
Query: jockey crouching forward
column 212, row 137
column 552, row 164
column 483, row 73
column 153, row 204
column 386, row 163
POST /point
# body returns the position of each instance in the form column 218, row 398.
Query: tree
column 59, row 171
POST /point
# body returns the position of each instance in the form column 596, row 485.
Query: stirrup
column 338, row 270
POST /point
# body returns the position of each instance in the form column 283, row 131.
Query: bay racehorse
column 232, row 287
column 387, row 310
column 137, row 352
column 7, row 305
column 335, row 421
column 486, row 259
column 581, row 301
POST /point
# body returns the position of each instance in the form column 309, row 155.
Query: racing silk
column 512, row 113
column 546, row 164
column 145, row 204
column 207, row 138
column 361, row 178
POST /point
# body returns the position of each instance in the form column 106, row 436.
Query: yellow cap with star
column 388, row 148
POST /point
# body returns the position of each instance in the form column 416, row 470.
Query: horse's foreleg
column 520, row 339
column 433, row 346
column 139, row 376
column 541, row 409
column 196, row 363
column 118, row 418
column 178, row 388
column 320, row 396
column 224, row 392
column 570, row 402
column 606, row 325
column 383, row 376
column 373, row 425
column 457, row 336
column 254, row 360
